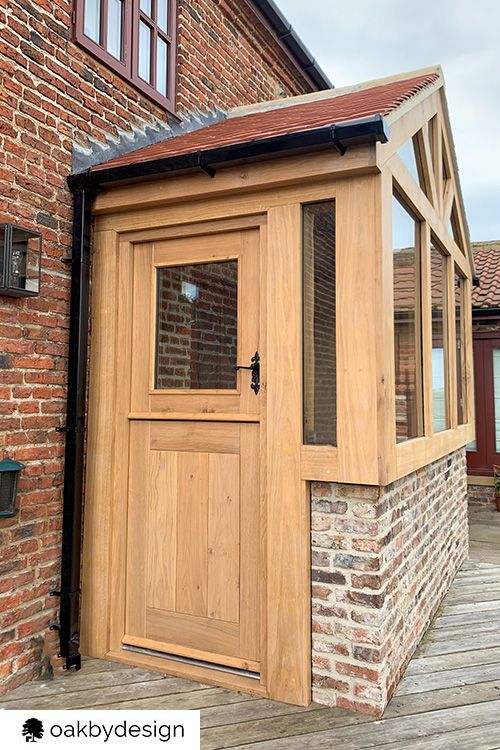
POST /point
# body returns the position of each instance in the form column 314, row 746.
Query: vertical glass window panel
column 197, row 326
column 162, row 17
column 161, row 66
column 145, row 6
column 439, row 348
column 496, row 396
column 460, row 349
column 115, row 24
column 407, row 154
column 320, row 357
column 92, row 20
column 145, row 52
column 407, row 329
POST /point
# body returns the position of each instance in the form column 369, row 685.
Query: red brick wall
column 53, row 94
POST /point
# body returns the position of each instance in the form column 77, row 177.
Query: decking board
column 449, row 696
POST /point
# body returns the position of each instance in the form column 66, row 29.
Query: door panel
column 192, row 576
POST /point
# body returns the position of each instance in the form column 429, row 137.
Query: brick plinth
column 481, row 497
column 382, row 560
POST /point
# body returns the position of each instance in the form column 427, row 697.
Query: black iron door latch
column 255, row 368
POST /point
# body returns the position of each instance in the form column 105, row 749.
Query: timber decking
column 448, row 698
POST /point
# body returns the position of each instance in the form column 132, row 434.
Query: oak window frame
column 127, row 66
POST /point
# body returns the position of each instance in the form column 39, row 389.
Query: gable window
column 136, row 39
column 407, row 322
column 439, row 337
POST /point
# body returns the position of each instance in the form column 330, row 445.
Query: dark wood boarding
column 449, row 697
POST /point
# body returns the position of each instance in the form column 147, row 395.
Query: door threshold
column 193, row 662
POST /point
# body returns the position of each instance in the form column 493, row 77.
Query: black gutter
column 486, row 312
column 84, row 187
column 366, row 130
column 294, row 44
column 69, row 615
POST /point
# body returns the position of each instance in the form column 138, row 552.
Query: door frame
column 481, row 461
column 285, row 549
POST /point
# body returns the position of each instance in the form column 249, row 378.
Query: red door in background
column 484, row 453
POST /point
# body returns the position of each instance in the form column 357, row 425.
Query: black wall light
column 20, row 261
column 9, row 473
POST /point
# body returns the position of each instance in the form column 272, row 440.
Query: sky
column 362, row 40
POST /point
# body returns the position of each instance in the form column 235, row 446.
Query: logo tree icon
column 33, row 730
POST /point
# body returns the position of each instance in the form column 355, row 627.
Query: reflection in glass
column 161, row 66
column 145, row 52
column 24, row 272
column 92, row 21
column 146, row 7
column 407, row 154
column 115, row 8
column 438, row 302
column 162, row 15
column 460, row 348
column 407, row 334
column 320, row 366
column 197, row 326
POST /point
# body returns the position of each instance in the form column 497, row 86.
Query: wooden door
column 484, row 453
column 193, row 578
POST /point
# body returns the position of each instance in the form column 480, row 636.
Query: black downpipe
column 69, row 617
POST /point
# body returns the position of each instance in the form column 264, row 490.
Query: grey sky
column 360, row 40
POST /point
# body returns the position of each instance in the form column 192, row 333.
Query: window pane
column 460, row 346
column 197, row 326
column 320, row 373
column 407, row 335
column 161, row 66
column 496, row 396
column 145, row 52
column 146, row 7
column 92, row 23
column 115, row 20
column 438, row 286
column 407, row 154
column 162, row 14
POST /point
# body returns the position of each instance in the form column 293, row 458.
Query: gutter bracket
column 340, row 147
column 210, row 171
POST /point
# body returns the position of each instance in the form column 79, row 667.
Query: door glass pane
column 145, row 52
column 92, row 22
column 162, row 14
column 146, row 7
column 496, row 396
column 161, row 66
column 407, row 331
column 438, row 276
column 115, row 8
column 197, row 326
column 320, row 362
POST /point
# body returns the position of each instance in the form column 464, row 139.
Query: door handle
column 255, row 369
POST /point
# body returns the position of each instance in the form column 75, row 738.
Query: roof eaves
column 369, row 129
column 287, row 35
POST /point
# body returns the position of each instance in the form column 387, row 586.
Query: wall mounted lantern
column 20, row 261
column 9, row 473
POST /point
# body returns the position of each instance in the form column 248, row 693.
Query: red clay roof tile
column 487, row 261
column 284, row 120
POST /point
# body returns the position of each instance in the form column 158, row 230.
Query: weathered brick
column 402, row 547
